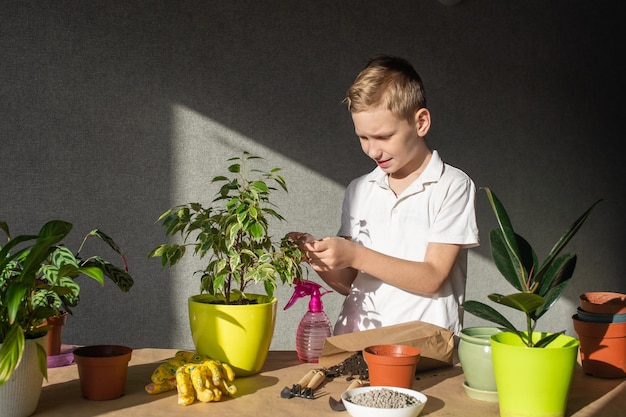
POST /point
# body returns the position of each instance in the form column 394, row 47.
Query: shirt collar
column 432, row 173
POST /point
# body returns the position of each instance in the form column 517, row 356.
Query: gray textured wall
column 111, row 112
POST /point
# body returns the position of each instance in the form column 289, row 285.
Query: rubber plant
column 37, row 274
column 539, row 286
column 232, row 234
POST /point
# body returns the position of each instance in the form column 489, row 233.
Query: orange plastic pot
column 55, row 333
column 391, row 365
column 603, row 302
column 102, row 370
column 602, row 348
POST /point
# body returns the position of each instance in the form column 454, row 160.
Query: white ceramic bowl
column 356, row 410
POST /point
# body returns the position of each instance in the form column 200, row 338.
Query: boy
column 401, row 254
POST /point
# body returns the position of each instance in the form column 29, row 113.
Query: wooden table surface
column 259, row 395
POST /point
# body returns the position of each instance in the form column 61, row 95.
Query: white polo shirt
column 437, row 207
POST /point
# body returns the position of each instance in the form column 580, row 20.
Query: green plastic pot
column 239, row 335
column 533, row 382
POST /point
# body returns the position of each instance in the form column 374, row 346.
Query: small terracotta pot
column 55, row 333
column 602, row 348
column 102, row 370
column 603, row 302
column 391, row 365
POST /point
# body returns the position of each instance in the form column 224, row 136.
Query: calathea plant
column 232, row 232
column 37, row 280
column 62, row 267
column 539, row 285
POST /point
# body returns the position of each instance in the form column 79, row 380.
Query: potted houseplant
column 61, row 291
column 524, row 379
column 27, row 298
column 232, row 234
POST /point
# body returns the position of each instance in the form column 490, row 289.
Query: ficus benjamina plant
column 539, row 286
column 232, row 234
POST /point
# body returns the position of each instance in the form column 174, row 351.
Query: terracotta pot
column 391, row 365
column 603, row 302
column 55, row 333
column 102, row 370
column 602, row 348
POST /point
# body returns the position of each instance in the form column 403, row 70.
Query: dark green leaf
column 567, row 236
column 487, row 313
column 526, row 302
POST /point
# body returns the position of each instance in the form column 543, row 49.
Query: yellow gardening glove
column 194, row 376
column 164, row 376
column 206, row 382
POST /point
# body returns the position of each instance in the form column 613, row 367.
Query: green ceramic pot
column 475, row 358
column 533, row 382
column 239, row 335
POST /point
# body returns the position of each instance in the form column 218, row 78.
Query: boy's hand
column 328, row 254
column 300, row 237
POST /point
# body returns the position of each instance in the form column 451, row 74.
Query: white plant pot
column 19, row 396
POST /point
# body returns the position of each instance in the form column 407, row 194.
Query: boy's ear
column 422, row 121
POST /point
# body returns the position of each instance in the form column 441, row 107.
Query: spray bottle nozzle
column 304, row 288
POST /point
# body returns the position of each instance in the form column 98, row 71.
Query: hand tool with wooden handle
column 297, row 388
column 316, row 381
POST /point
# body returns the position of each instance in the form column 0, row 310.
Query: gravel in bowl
column 378, row 401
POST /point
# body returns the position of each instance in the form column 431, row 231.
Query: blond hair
column 390, row 82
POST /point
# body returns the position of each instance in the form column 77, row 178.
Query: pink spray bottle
column 314, row 327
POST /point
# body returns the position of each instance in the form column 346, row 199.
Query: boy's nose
column 375, row 152
column 371, row 150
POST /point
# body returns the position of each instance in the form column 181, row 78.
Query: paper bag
column 435, row 343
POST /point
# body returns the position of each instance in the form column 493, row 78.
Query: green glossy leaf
column 567, row 236
column 547, row 340
column 487, row 313
column 506, row 261
column 15, row 296
column 63, row 256
column 526, row 302
column 11, row 352
column 560, row 271
column 42, row 360
column 97, row 266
